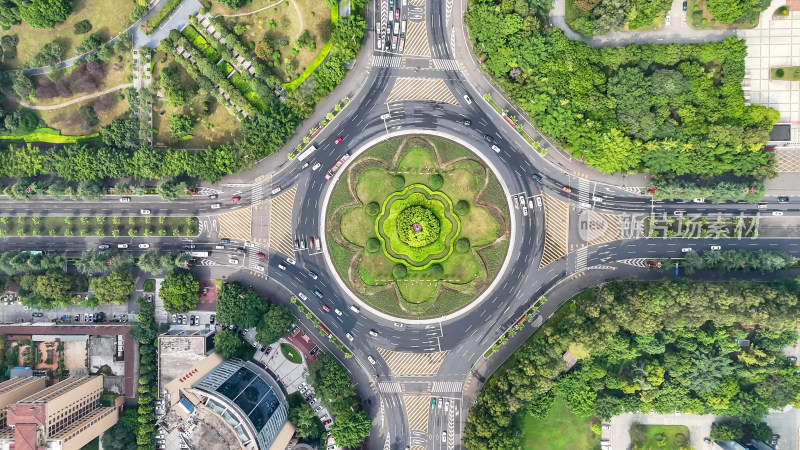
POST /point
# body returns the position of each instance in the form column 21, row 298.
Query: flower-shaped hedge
column 417, row 226
column 396, row 236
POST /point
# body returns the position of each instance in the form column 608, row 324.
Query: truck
column 198, row 254
column 336, row 166
column 307, row 152
column 396, row 28
column 402, row 42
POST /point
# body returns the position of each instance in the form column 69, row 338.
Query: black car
column 466, row 122
column 37, row 314
column 212, row 196
column 685, row 5
column 536, row 177
column 224, row 241
column 241, row 250
column 212, row 318
column 783, row 199
column 188, row 246
column 263, row 349
column 103, row 246
column 488, row 138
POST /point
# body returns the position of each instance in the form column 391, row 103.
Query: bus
column 198, row 254
column 307, row 152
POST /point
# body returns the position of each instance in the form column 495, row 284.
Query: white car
column 316, row 166
column 686, row 250
column 444, row 436
column 699, row 200
column 349, row 337
column 303, row 166
column 371, row 360
column 261, row 268
column 233, row 261
column 373, row 333
column 281, row 266
column 585, row 205
column 337, row 311
column 398, row 324
column 216, row 205
column 496, row 149
column 219, row 247
column 467, row 99
column 525, row 211
column 302, row 296
column 122, row 245
column 288, row 260
column 250, row 244
column 777, row 213
column 276, row 190
column 145, row 211
column 125, row 199
column 716, row 247
column 144, row 245
column 539, row 202
column 597, row 199
column 446, row 406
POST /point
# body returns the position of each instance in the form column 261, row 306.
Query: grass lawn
column 560, row 430
column 314, row 15
column 69, row 121
column 49, row 136
column 218, row 128
column 117, row 72
column 149, row 285
column 655, row 434
column 697, row 11
column 89, row 226
column 790, row 73
column 108, row 18
column 291, row 353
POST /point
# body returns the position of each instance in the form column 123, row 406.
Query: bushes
column 436, row 181
column 417, row 226
column 373, row 208
column 462, row 245
column 84, row 26
column 726, row 431
column 399, row 271
column 398, row 182
column 373, row 245
column 436, row 271
column 462, row 208
column 9, row 43
column 160, row 16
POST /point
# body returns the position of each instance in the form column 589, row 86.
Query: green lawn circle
column 291, row 354
column 414, row 217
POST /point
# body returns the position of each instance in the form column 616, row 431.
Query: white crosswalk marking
column 635, row 262
column 389, row 387
column 252, row 258
column 583, row 190
column 386, row 61
column 580, row 259
column 445, row 64
column 601, row 268
column 258, row 194
column 447, row 386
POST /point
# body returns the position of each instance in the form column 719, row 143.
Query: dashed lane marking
column 280, row 224
column 404, row 363
column 556, row 230
column 432, row 89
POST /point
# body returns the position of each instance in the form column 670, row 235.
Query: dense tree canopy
column 667, row 109
column 113, row 288
column 274, row 324
column 331, row 384
column 665, row 346
column 44, row 13
column 180, row 292
column 239, row 305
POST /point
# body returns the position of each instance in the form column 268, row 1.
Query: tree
column 21, row 84
column 91, row 43
column 306, row 422
column 239, row 305
column 180, row 292
column 150, row 262
column 264, row 50
column 759, row 431
column 462, row 208
column 436, row 181
column 123, row 43
column 113, row 288
column 726, row 431
column 177, row 96
column 399, row 271
column 52, row 285
column 181, row 125
column 233, row 4
column 227, row 343
column 274, row 324
column 373, row 245
column 350, row 428
column 121, row 436
column 44, row 13
column 462, row 245
column 121, row 133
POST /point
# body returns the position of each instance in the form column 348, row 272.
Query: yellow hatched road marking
column 417, row 408
column 280, row 226
column 556, row 230
column 235, row 224
column 404, row 363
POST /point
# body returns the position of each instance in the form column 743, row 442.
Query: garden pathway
column 70, row 102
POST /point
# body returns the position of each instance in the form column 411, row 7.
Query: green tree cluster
column 145, row 330
column 662, row 346
column 113, row 288
column 180, row 292
column 727, row 260
column 716, row 192
column 43, row 13
column 736, row 11
column 670, row 109
column 417, row 226
column 331, row 384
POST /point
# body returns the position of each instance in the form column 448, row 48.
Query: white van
column 403, row 26
column 355, row 309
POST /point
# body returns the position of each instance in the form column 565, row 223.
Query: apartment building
column 64, row 416
column 16, row 389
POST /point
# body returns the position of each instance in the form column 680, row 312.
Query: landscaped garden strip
column 161, row 15
column 326, row 49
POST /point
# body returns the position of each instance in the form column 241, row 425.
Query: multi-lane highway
column 402, row 400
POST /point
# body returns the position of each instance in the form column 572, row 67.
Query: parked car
column 77, row 317
column 685, row 5
column 327, row 422
column 326, row 308
column 777, row 213
column 310, row 242
column 191, row 320
column 212, row 319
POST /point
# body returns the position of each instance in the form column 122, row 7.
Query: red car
column 260, row 255
column 325, row 308
column 310, row 242
column 236, row 199
column 327, row 422
column 567, row 189
column 338, row 140
column 397, row 13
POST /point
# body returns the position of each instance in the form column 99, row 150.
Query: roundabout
column 418, row 227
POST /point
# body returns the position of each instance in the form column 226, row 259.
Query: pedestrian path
column 235, row 224
column 404, row 363
column 583, row 190
column 390, row 387
column 417, row 408
column 386, row 61
column 280, row 222
column 446, row 64
column 430, row 89
column 556, row 230
column 447, row 387
column 580, row 259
